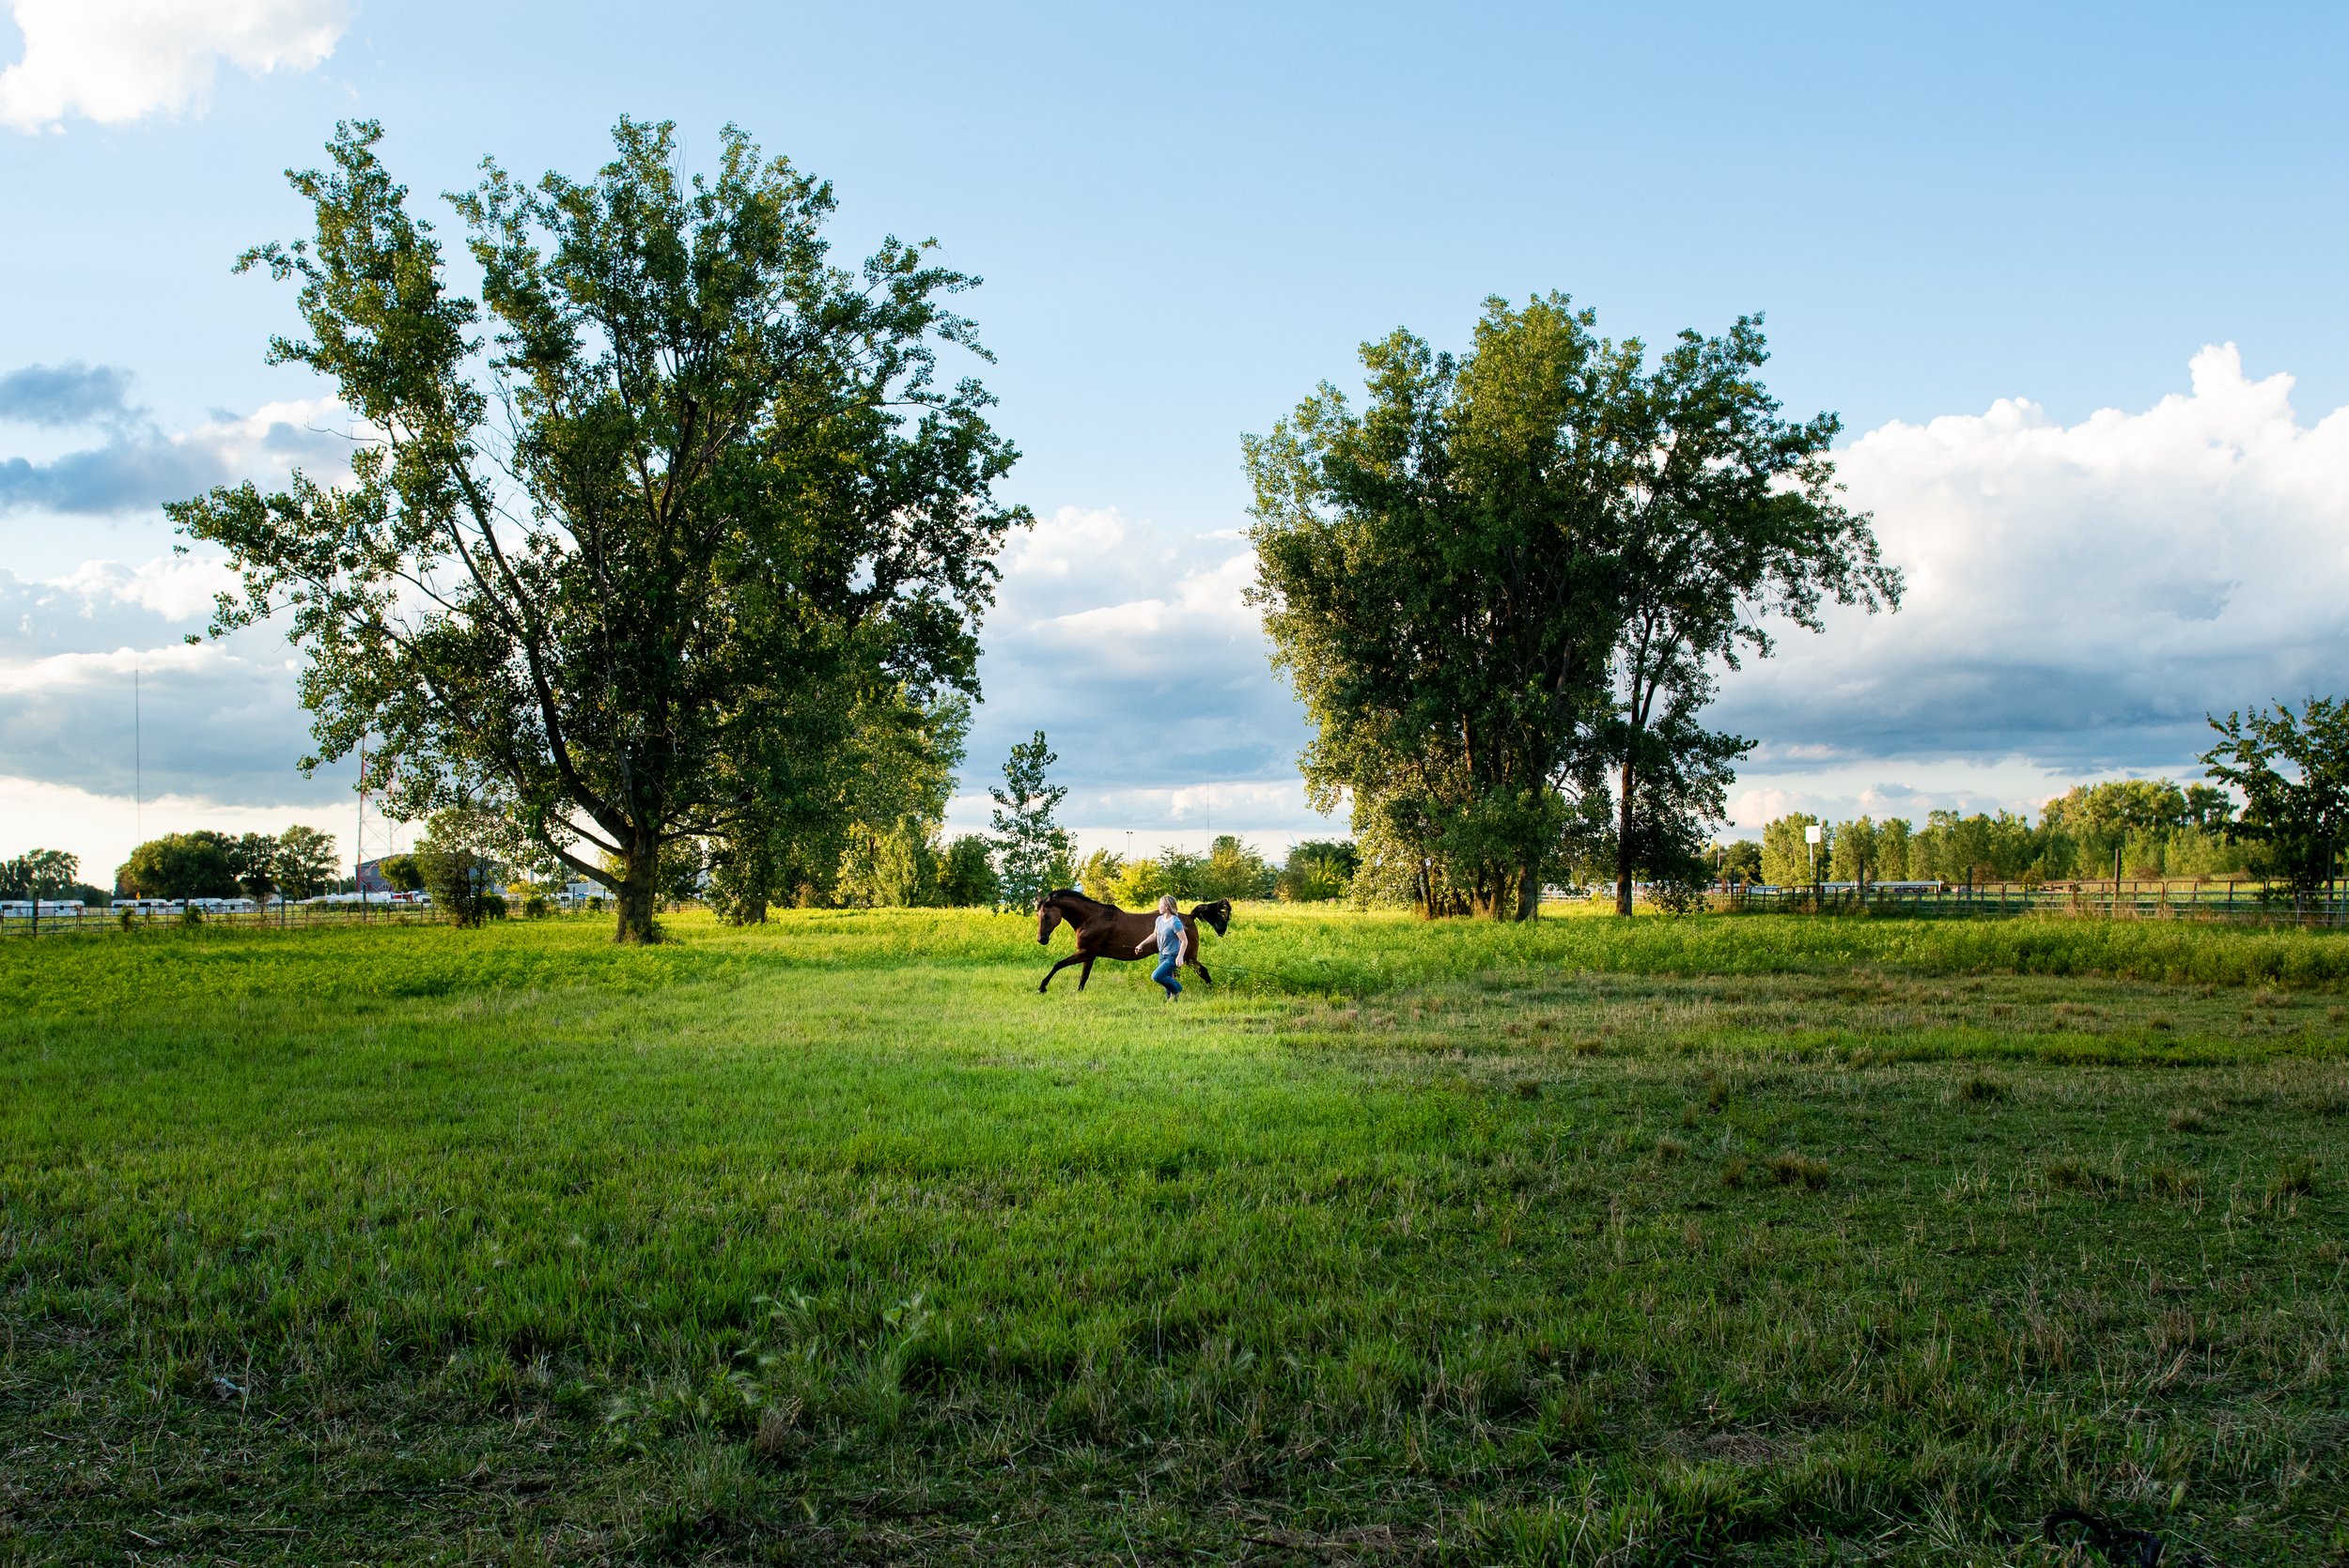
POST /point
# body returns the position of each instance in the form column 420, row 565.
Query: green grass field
column 1725, row 1240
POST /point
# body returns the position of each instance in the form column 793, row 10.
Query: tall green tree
column 1855, row 855
column 1740, row 860
column 1788, row 857
column 253, row 860
column 2292, row 773
column 966, row 877
column 1098, row 872
column 1509, row 584
column 305, row 862
column 38, row 873
column 892, row 868
column 624, row 571
column 455, row 861
column 888, row 777
column 179, row 865
column 1032, row 848
column 1317, row 869
column 1726, row 517
column 1436, row 574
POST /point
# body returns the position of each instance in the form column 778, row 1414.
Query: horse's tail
column 1218, row 914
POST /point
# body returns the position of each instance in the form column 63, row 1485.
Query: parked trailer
column 51, row 909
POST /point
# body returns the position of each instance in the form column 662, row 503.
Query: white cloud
column 115, row 61
column 101, row 829
column 214, row 722
column 1130, row 644
column 2079, row 596
column 136, row 466
column 175, row 587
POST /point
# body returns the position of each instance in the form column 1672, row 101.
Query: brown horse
column 1106, row 931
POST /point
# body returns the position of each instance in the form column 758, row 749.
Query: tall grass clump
column 1358, row 955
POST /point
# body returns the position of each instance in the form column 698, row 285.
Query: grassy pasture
column 1723, row 1240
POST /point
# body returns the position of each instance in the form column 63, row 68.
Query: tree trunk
column 636, row 893
column 1623, row 841
column 1530, row 893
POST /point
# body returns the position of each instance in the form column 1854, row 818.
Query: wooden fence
column 100, row 922
column 2238, row 900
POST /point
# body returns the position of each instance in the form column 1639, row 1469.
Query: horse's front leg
column 1087, row 974
column 1055, row 969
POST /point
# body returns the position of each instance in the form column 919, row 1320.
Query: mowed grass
column 1722, row 1240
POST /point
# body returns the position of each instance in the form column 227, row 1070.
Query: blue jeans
column 1164, row 973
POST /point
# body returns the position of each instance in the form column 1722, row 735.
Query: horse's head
column 1047, row 915
column 1218, row 914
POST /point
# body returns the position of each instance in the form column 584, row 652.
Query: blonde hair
column 1166, row 903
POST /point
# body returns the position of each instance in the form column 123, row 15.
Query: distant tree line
column 2278, row 810
column 2149, row 823
column 47, row 874
column 297, row 864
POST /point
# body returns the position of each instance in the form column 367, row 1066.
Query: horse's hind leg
column 1053, row 971
column 1086, row 973
column 1203, row 971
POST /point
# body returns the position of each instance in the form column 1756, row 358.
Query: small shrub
column 1529, row 1089
column 1733, row 1171
column 1589, row 1045
column 1569, row 1418
column 2297, row 1179
column 1794, row 1170
column 1981, row 1088
column 1669, row 1149
column 777, row 1434
column 2160, row 1023
column 2079, row 1177
column 191, row 916
column 2165, row 1181
column 537, row 908
column 2188, row 1119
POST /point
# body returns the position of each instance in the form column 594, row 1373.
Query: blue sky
column 1972, row 229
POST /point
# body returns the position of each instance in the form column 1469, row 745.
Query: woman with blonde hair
column 1173, row 939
